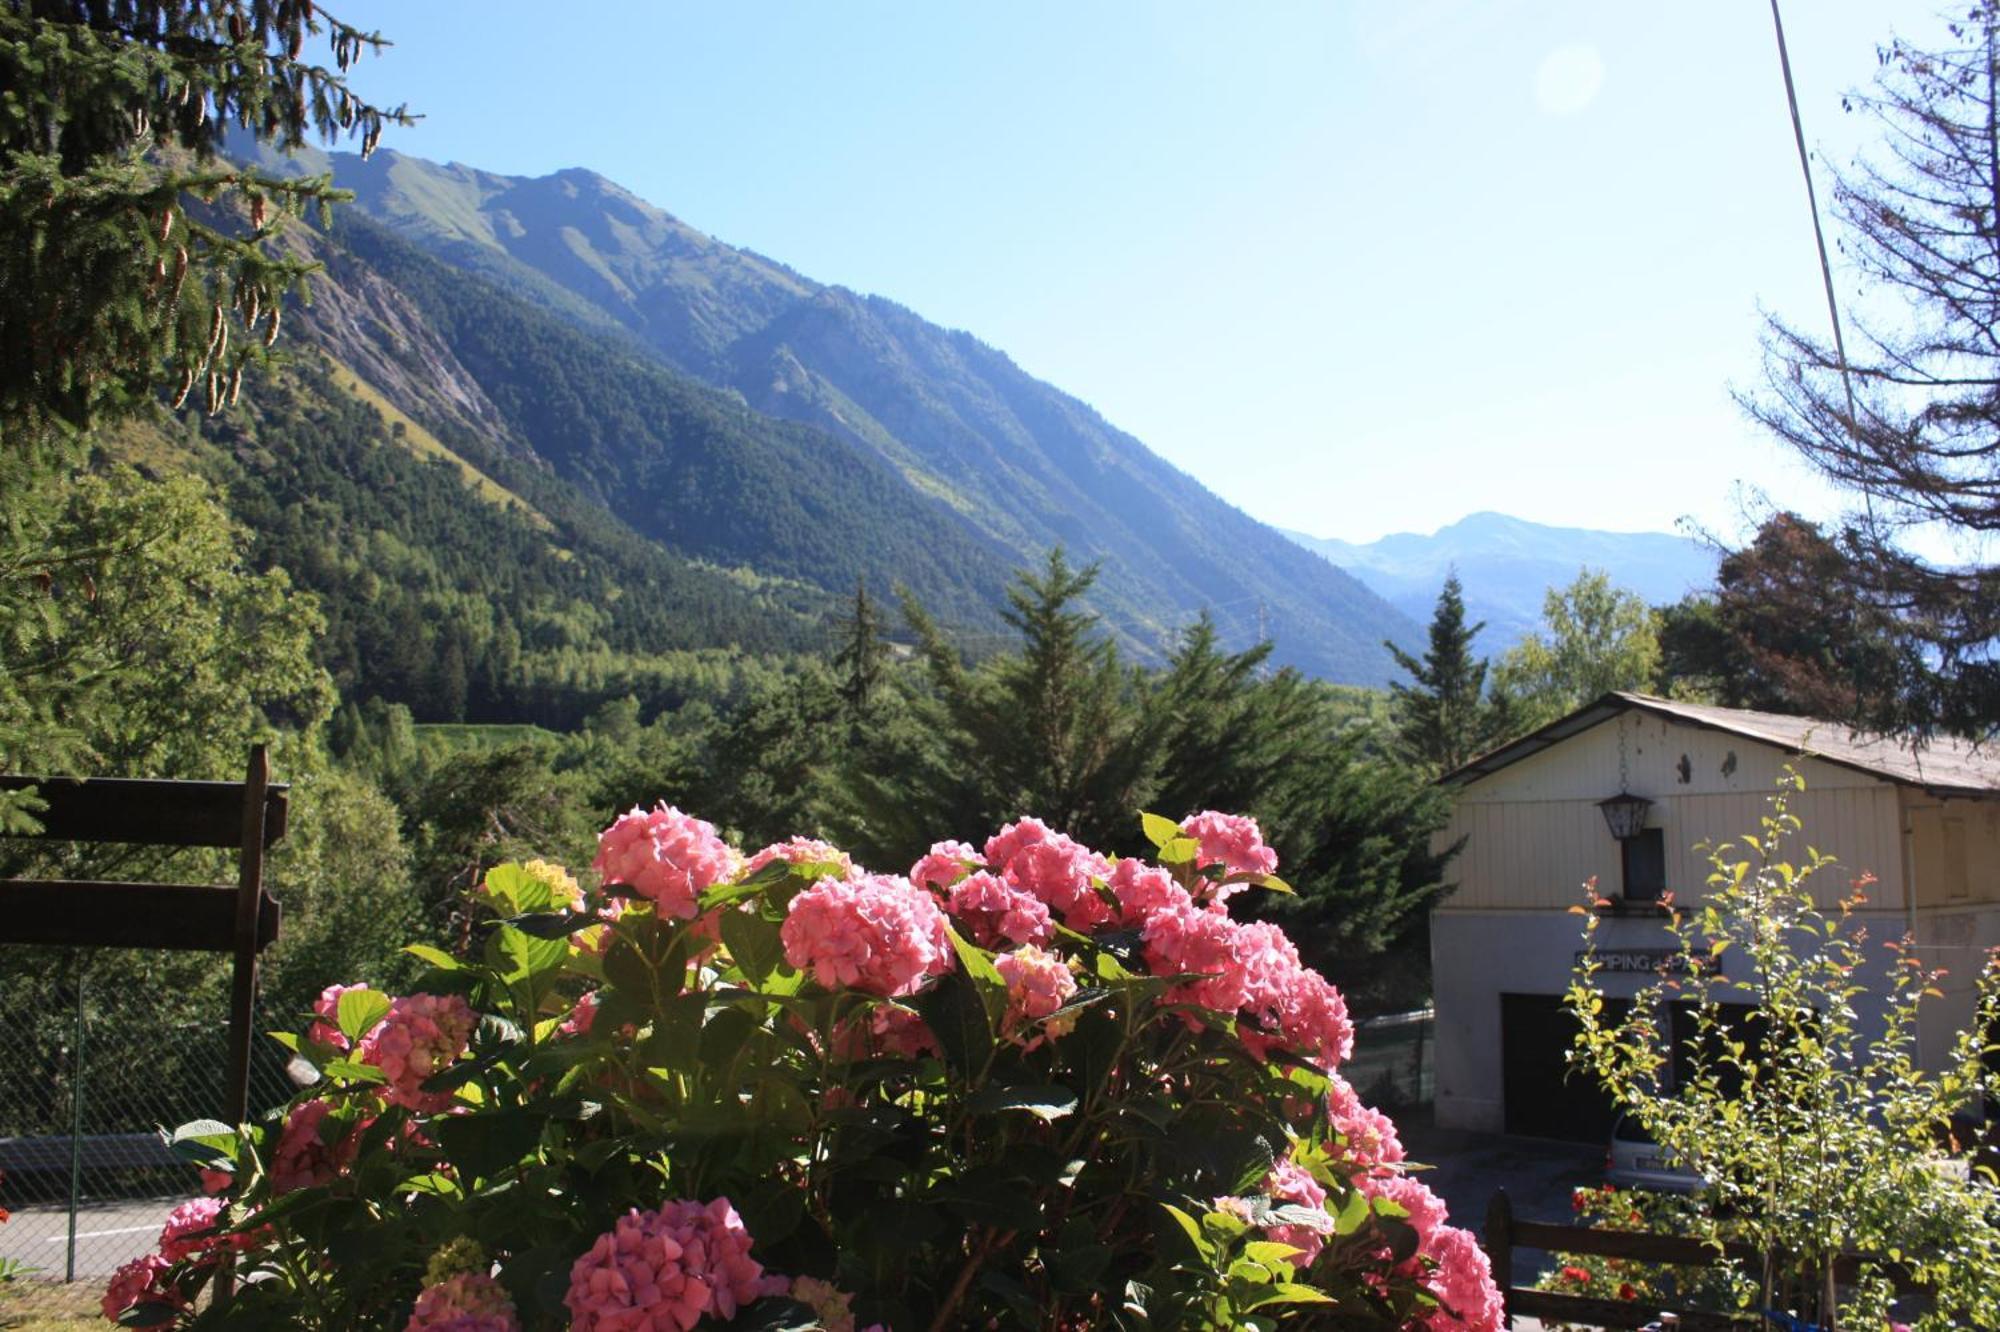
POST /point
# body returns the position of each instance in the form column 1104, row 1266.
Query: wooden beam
column 84, row 914
column 155, row 813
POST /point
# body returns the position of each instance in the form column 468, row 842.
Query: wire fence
column 1392, row 1063
column 86, row 1084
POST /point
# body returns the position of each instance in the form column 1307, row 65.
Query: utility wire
column 1819, row 234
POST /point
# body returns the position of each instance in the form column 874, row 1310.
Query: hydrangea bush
column 1027, row 1085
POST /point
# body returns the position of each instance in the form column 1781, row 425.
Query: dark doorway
column 1542, row 1097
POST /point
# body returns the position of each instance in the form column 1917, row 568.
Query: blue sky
column 1360, row 267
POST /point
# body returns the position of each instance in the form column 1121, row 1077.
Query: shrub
column 1816, row 1127
column 784, row 1092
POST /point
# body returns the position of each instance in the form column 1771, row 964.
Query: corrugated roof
column 1943, row 765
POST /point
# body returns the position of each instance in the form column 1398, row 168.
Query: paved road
column 1538, row 1175
column 108, row 1235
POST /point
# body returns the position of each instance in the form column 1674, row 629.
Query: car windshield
column 1630, row 1130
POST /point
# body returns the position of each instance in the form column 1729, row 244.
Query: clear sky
column 1360, row 267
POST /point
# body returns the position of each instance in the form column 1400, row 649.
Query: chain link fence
column 1392, row 1063
column 100, row 1050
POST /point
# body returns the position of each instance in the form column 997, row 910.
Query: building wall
column 1534, row 835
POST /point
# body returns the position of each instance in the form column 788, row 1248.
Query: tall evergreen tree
column 128, row 247
column 1442, row 718
column 863, row 655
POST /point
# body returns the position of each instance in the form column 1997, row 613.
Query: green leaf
column 1180, row 851
column 754, row 944
column 437, row 957
column 1159, row 830
column 1048, row 1103
column 1291, row 1292
column 1192, row 1230
column 957, row 1016
column 1271, row 882
column 986, row 978
column 359, row 1011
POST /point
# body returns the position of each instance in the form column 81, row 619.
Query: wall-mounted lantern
column 1625, row 814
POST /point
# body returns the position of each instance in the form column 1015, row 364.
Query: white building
column 1505, row 944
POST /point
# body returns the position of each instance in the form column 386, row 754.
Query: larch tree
column 1905, row 411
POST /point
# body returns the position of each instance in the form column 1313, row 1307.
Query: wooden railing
column 1504, row 1234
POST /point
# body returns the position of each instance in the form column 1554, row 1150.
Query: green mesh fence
column 1391, row 1067
column 99, row 1050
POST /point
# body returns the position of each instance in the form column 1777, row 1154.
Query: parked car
column 1635, row 1161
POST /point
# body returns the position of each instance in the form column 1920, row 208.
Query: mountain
column 552, row 280
column 1506, row 565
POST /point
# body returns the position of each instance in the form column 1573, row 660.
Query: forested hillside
column 985, row 458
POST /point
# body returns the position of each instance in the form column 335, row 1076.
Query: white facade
column 1506, row 941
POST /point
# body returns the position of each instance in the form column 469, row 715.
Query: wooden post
column 1500, row 1251
column 249, row 900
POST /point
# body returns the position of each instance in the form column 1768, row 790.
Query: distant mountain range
column 1507, row 564
column 748, row 418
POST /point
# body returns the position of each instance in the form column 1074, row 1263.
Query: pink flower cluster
column 878, row 933
column 418, row 1038
column 665, row 1271
column 303, row 1156
column 1053, row 868
column 1370, row 1135
column 804, row 851
column 326, row 1024
column 1448, row 1261
column 1038, row 984
column 665, row 856
column 1232, row 841
column 142, row 1281
column 190, row 1233
column 994, row 913
column 1289, row 1182
column 1144, row 891
column 944, row 865
column 1253, row 969
column 464, row 1302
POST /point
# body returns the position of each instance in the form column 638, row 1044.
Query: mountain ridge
column 1019, row 464
column 1507, row 564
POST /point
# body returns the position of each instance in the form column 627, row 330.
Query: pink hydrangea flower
column 884, row 1031
column 142, row 1281
column 944, row 865
column 1054, row 868
column 1282, row 996
column 464, row 1302
column 303, row 1157
column 994, row 913
column 1370, row 1134
column 421, row 1035
column 326, row 1027
column 215, row 1182
column 804, row 851
column 190, row 1232
column 1463, row 1282
column 581, row 1015
column 1232, row 841
column 1144, row 891
column 665, row 1271
column 1426, row 1210
column 665, row 856
column 1289, row 1182
column 1038, row 983
column 1201, row 943
column 877, row 934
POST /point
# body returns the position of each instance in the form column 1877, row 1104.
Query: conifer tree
column 863, row 655
column 1442, row 718
column 131, row 254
